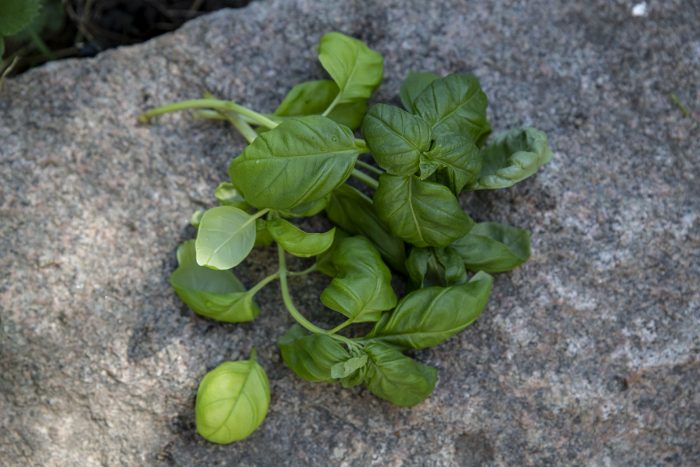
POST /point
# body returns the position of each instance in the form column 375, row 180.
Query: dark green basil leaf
column 397, row 378
column 429, row 316
column 313, row 97
column 232, row 401
column 213, row 294
column 324, row 261
column 361, row 289
column 413, row 85
column 354, row 212
column 355, row 68
column 301, row 160
column 395, row 138
column 227, row 195
column 296, row 241
column 262, row 235
column 512, row 157
column 435, row 266
column 311, row 356
column 454, row 104
column 457, row 157
column 306, row 209
column 225, row 237
column 420, row 212
column 493, row 247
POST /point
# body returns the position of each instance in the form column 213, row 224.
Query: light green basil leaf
column 213, row 294
column 355, row 68
column 420, row 212
column 512, row 157
column 227, row 195
column 429, row 316
column 397, row 378
column 493, row 247
column 296, row 241
column 354, row 212
column 225, row 237
column 435, row 266
column 361, row 289
column 232, row 401
column 262, row 235
column 413, row 85
column 313, row 97
column 457, row 157
column 299, row 161
column 196, row 218
column 348, row 367
column 395, row 138
column 454, row 104
column 311, row 356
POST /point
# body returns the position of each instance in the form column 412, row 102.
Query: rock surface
column 586, row 355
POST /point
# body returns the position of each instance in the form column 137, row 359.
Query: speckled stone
column 587, row 355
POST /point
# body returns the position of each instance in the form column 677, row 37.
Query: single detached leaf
column 296, row 241
column 413, row 85
column 512, row 157
column 435, row 266
column 361, row 289
column 397, row 378
column 311, row 356
column 493, row 247
column 429, row 316
column 227, row 195
column 454, row 104
column 232, row 401
column 354, row 212
column 420, row 212
column 225, row 237
column 395, row 138
column 355, row 68
column 213, row 294
column 299, row 161
column 457, row 158
column 313, row 97
column 16, row 15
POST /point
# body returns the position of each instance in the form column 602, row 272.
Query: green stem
column 342, row 325
column 304, row 272
column 216, row 104
column 263, row 283
column 287, row 298
column 369, row 167
column 364, row 178
column 331, row 106
column 243, row 128
column 261, row 213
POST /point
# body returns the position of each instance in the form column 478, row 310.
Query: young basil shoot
column 405, row 219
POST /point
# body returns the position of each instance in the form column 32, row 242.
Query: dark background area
column 83, row 28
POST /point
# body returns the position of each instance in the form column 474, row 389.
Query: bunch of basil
column 297, row 164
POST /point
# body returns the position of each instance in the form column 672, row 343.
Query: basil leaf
column 397, row 378
column 457, row 156
column 512, row 157
column 493, row 247
column 324, row 261
column 262, row 235
column 454, row 104
column 413, row 85
column 232, row 401
column 348, row 367
column 196, row 218
column 296, row 241
column 361, row 290
column 435, row 266
column 306, row 209
column 420, row 212
column 354, row 212
column 15, row 15
column 227, row 195
column 311, row 356
column 355, row 68
column 313, row 97
column 225, row 237
column 429, row 316
column 395, row 138
column 299, row 161
column 213, row 294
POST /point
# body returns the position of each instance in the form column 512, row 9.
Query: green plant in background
column 297, row 164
